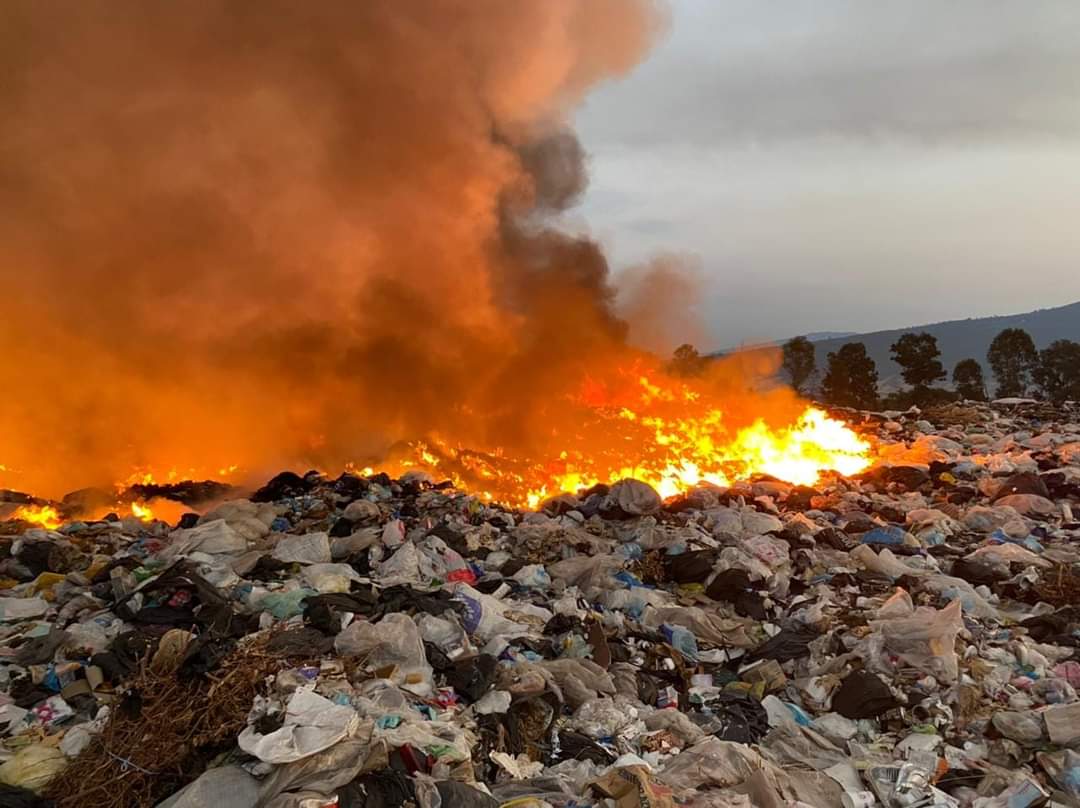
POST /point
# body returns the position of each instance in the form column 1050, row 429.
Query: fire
column 799, row 455
column 45, row 516
column 638, row 422
column 141, row 511
column 661, row 431
column 173, row 474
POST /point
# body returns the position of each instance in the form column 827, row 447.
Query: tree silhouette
column 800, row 362
column 917, row 355
column 851, row 378
column 1013, row 358
column 967, row 377
column 686, row 361
column 1058, row 372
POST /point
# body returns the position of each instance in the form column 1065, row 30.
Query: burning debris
column 896, row 632
column 673, row 437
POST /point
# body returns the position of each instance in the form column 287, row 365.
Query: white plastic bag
column 394, row 642
column 330, row 577
column 312, row 724
column 312, row 548
column 925, row 641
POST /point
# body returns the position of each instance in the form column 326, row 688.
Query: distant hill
column 960, row 339
column 821, row 336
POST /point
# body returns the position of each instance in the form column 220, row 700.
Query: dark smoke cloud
column 291, row 232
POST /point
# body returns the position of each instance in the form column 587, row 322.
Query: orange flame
column 660, row 431
column 45, row 516
column 670, row 432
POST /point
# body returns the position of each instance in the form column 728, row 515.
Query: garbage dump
column 906, row 636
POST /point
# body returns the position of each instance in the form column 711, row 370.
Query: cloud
column 750, row 71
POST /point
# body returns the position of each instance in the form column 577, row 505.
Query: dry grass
column 1060, row 586
column 142, row 756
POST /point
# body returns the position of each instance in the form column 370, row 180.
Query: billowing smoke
column 660, row 301
column 279, row 233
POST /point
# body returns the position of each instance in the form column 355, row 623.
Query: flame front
column 669, row 435
column 670, row 432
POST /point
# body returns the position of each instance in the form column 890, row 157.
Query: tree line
column 850, row 378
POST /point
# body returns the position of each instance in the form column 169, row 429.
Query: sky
column 843, row 165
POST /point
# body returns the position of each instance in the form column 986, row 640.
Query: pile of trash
column 905, row 637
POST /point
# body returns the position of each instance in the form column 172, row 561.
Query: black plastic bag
column 863, row 695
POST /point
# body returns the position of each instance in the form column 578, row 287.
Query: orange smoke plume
column 283, row 233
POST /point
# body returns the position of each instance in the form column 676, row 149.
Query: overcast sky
column 849, row 165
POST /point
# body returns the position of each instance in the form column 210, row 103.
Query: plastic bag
column 394, row 642
column 634, row 497
column 607, row 718
column 579, row 680
column 533, row 576
column 439, row 560
column 899, row 604
column 725, row 764
column 707, row 626
column 485, row 615
column 223, row 787
column 313, row 548
column 1024, row 728
column 682, row 640
column 949, row 588
column 22, row 608
column 312, row 724
column 771, row 551
column 987, row 518
column 283, row 605
column 884, row 563
column 403, row 567
column 33, row 767
column 1009, row 554
column 445, row 633
column 330, row 577
column 213, row 538
column 393, row 534
column 1053, row 691
column 925, row 641
column 591, row 574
